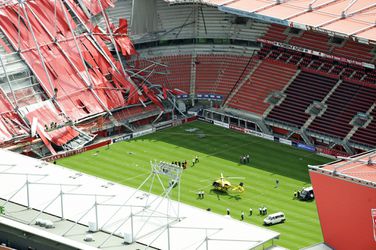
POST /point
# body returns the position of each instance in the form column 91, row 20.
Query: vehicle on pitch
column 306, row 194
column 276, row 218
column 223, row 185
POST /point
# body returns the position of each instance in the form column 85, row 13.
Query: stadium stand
column 362, row 135
column 327, row 65
column 276, row 33
column 205, row 80
column 169, row 71
column 355, row 51
column 347, row 100
column 218, row 74
column 322, row 43
column 306, row 88
column 269, row 76
column 192, row 21
column 176, row 66
column 214, row 73
column 312, row 40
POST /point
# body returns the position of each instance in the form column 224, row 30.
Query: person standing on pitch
column 228, row 211
column 250, row 212
column 242, row 215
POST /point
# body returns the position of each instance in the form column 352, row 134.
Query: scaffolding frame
column 147, row 211
column 172, row 215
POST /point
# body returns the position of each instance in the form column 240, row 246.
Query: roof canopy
column 356, row 18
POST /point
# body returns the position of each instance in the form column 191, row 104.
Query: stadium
column 187, row 124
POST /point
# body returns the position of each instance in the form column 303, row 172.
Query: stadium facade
column 345, row 193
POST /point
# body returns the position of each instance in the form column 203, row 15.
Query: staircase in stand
column 312, row 118
column 355, row 128
column 192, row 87
column 269, row 109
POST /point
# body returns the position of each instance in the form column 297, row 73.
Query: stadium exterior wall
column 345, row 212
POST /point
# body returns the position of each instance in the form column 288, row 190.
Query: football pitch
column 219, row 151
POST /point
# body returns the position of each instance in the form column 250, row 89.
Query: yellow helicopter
column 223, row 185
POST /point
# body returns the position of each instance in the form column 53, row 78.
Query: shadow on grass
column 222, row 194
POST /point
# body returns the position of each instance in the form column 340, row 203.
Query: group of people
column 195, row 160
column 180, row 163
column 53, row 125
column 201, row 194
column 241, row 214
column 296, row 194
column 263, row 211
column 184, row 164
column 244, row 159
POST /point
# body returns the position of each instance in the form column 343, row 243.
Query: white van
column 275, row 218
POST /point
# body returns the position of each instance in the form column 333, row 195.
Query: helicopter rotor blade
column 222, row 180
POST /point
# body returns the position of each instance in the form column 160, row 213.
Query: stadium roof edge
column 358, row 168
column 334, row 17
column 44, row 234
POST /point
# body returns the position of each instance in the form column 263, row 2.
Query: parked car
column 306, row 194
column 274, row 219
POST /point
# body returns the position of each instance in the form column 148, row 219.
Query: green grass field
column 128, row 163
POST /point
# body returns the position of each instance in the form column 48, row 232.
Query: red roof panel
column 346, row 26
